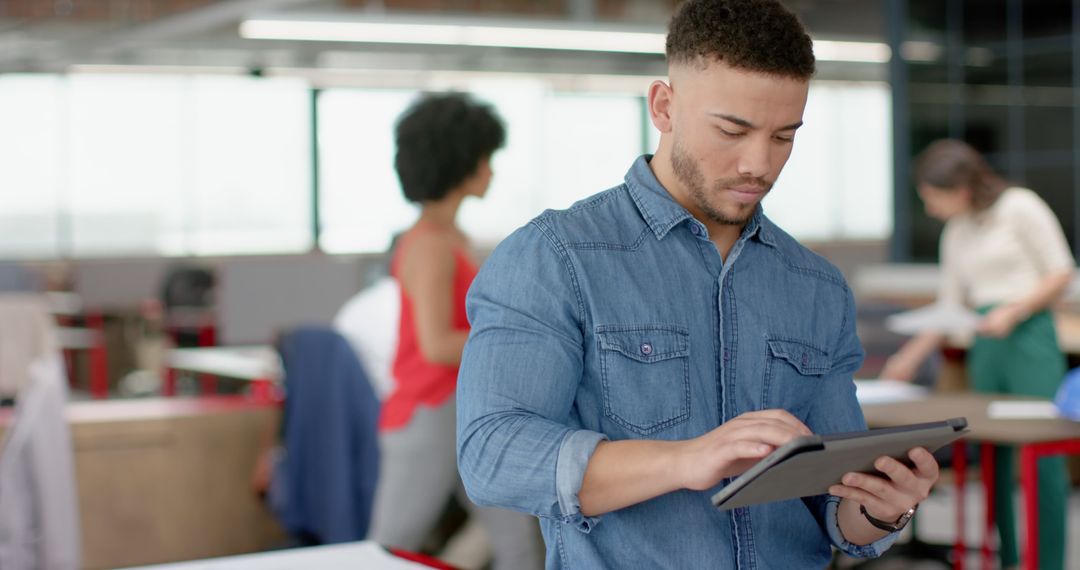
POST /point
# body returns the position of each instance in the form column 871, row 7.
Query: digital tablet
column 809, row 465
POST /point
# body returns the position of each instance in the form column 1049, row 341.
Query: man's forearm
column 854, row 526
column 624, row 473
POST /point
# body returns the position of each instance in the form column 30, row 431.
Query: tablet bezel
column 921, row 435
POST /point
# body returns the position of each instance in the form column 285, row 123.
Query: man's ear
column 660, row 100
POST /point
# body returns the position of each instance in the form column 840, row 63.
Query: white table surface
column 364, row 555
column 258, row 362
column 870, row 392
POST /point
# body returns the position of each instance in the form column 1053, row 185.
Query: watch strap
column 898, row 524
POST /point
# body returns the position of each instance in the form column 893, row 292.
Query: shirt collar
column 661, row 212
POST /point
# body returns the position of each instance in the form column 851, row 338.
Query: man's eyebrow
column 733, row 119
column 747, row 124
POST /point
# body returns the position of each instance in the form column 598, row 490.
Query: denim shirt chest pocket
column 793, row 369
column 645, row 372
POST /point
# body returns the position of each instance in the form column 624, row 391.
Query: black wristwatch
column 890, row 526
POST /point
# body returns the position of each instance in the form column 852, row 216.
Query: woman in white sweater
column 1004, row 254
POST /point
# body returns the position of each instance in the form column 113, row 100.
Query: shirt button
column 727, row 355
column 646, row 348
column 695, row 229
column 805, row 359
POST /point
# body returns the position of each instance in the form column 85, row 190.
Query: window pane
column 591, row 142
column 517, row 186
column 30, row 178
column 838, row 182
column 164, row 165
column 559, row 149
column 125, row 138
column 250, row 164
column 361, row 205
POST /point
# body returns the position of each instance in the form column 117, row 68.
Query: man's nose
column 754, row 159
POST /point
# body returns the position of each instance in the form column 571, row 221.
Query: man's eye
column 732, row 133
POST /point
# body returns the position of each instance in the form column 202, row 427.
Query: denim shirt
column 618, row 319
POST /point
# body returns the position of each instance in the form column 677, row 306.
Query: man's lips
column 747, row 191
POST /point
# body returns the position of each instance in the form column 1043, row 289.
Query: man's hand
column 627, row 472
column 735, row 446
column 888, row 498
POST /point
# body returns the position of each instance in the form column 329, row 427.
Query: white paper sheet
column 1022, row 410
column 938, row 317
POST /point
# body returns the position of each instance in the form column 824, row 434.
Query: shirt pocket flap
column 646, row 344
column 808, row 360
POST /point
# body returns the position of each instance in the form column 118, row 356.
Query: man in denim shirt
column 632, row 353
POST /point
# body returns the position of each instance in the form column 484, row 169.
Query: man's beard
column 687, row 171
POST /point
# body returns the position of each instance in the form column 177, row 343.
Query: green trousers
column 1027, row 362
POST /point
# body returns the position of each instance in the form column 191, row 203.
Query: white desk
column 259, row 364
column 366, row 555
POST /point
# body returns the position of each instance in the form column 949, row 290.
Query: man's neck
column 723, row 236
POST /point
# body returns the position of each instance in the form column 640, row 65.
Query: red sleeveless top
column 417, row 381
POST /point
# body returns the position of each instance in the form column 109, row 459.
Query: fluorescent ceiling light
column 486, row 35
column 857, row 52
column 157, row 69
column 554, row 36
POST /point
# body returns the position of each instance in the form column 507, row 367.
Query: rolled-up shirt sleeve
column 519, row 375
column 836, row 536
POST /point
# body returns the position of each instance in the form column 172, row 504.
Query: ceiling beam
column 55, row 54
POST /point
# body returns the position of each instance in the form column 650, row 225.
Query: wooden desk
column 1035, row 438
column 259, row 364
column 168, row 479
column 365, row 554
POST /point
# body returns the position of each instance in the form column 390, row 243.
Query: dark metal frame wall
column 1015, row 159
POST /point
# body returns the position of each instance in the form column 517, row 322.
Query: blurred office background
column 250, row 142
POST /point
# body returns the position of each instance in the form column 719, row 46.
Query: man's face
column 732, row 132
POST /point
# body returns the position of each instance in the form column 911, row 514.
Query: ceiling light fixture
column 553, row 36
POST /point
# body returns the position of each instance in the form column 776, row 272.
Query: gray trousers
column 418, row 473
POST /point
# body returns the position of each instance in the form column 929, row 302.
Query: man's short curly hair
column 754, row 35
column 441, row 139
